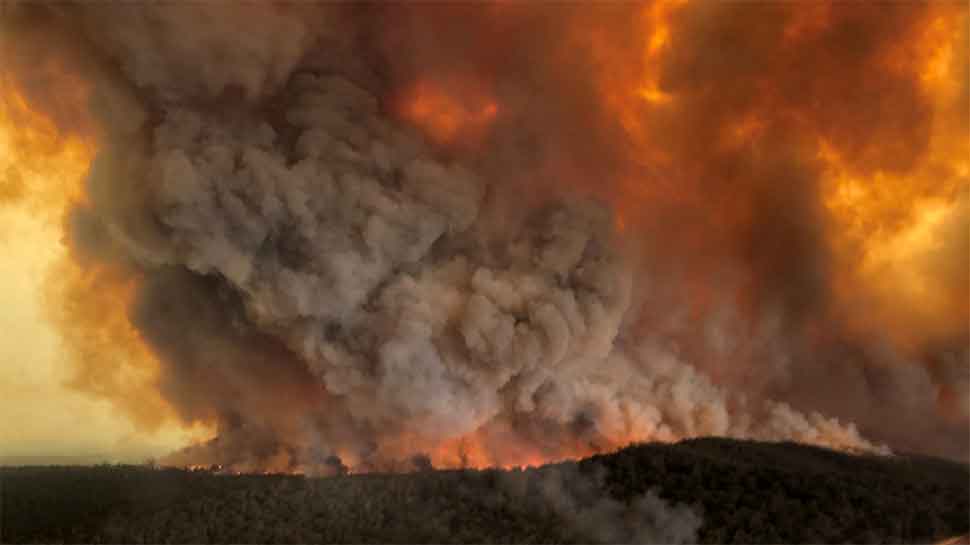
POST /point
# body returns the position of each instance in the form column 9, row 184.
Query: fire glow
column 447, row 117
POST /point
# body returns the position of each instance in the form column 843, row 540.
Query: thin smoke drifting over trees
column 513, row 233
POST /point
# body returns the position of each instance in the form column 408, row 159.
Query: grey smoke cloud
column 318, row 279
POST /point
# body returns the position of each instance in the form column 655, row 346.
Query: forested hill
column 708, row 490
column 755, row 492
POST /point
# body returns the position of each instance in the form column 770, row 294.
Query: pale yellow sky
column 42, row 418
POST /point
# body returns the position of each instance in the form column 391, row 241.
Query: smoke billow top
column 503, row 234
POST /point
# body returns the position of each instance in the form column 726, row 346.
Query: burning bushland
column 507, row 234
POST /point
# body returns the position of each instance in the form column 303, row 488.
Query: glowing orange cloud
column 447, row 116
column 42, row 170
column 40, row 167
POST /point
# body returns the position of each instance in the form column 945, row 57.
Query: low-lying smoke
column 577, row 499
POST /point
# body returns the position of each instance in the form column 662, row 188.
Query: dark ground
column 746, row 492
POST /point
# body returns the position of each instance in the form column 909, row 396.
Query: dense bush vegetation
column 71, row 503
column 746, row 492
column 789, row 493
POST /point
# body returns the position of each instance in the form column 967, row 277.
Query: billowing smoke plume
column 330, row 260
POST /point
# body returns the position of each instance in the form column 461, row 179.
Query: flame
column 498, row 445
column 449, row 113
